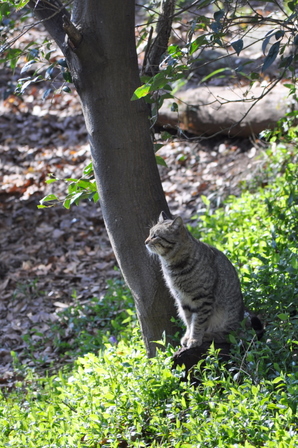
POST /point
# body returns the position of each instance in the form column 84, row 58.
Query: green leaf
column 238, row 46
column 174, row 50
column 88, row 169
column 279, row 34
column 12, row 56
column 95, row 197
column 205, row 200
column 218, row 15
column 76, row 197
column 157, row 146
column 160, row 81
column 4, row 10
column 197, row 43
column 292, row 6
column 87, row 184
column 291, row 87
column 141, row 91
column 50, row 181
column 277, row 380
column 66, row 204
column 271, row 56
column 84, row 184
column 254, row 76
column 286, row 61
column 62, row 63
column 160, row 161
column 72, row 188
column 267, row 40
column 216, row 72
column 166, row 135
column 21, row 4
column 174, row 107
column 49, row 197
column 46, row 93
column 67, row 76
column 27, row 66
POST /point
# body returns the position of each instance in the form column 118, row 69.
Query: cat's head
column 165, row 235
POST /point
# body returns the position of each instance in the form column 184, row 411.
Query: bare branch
column 26, row 28
column 75, row 37
column 160, row 43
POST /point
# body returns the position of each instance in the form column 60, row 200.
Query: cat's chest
column 170, row 280
column 174, row 284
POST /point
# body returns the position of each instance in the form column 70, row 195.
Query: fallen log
column 227, row 110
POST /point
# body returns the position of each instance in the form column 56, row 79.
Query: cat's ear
column 177, row 223
column 163, row 217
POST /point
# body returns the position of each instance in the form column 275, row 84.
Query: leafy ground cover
column 69, row 250
column 119, row 398
column 65, row 262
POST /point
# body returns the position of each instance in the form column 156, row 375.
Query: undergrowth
column 84, row 328
column 120, row 398
column 80, row 328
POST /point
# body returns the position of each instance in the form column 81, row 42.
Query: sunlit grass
column 117, row 397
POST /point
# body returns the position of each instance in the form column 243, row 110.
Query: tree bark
column 105, row 72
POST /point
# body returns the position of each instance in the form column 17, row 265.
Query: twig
column 147, row 50
column 74, row 35
column 27, row 28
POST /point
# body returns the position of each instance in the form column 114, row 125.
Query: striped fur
column 202, row 280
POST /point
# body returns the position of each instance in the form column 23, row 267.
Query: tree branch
column 51, row 13
column 74, row 35
column 160, row 43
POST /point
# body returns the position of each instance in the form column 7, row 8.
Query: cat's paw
column 184, row 341
column 191, row 343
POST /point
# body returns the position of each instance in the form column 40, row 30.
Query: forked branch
column 158, row 46
column 51, row 13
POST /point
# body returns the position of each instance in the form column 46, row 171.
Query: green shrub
column 120, row 398
column 259, row 233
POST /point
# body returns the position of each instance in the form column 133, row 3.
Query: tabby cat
column 202, row 280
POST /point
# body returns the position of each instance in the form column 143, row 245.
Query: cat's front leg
column 190, row 339
column 186, row 316
column 185, row 339
column 199, row 324
column 191, row 342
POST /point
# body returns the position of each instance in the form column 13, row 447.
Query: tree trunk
column 104, row 68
